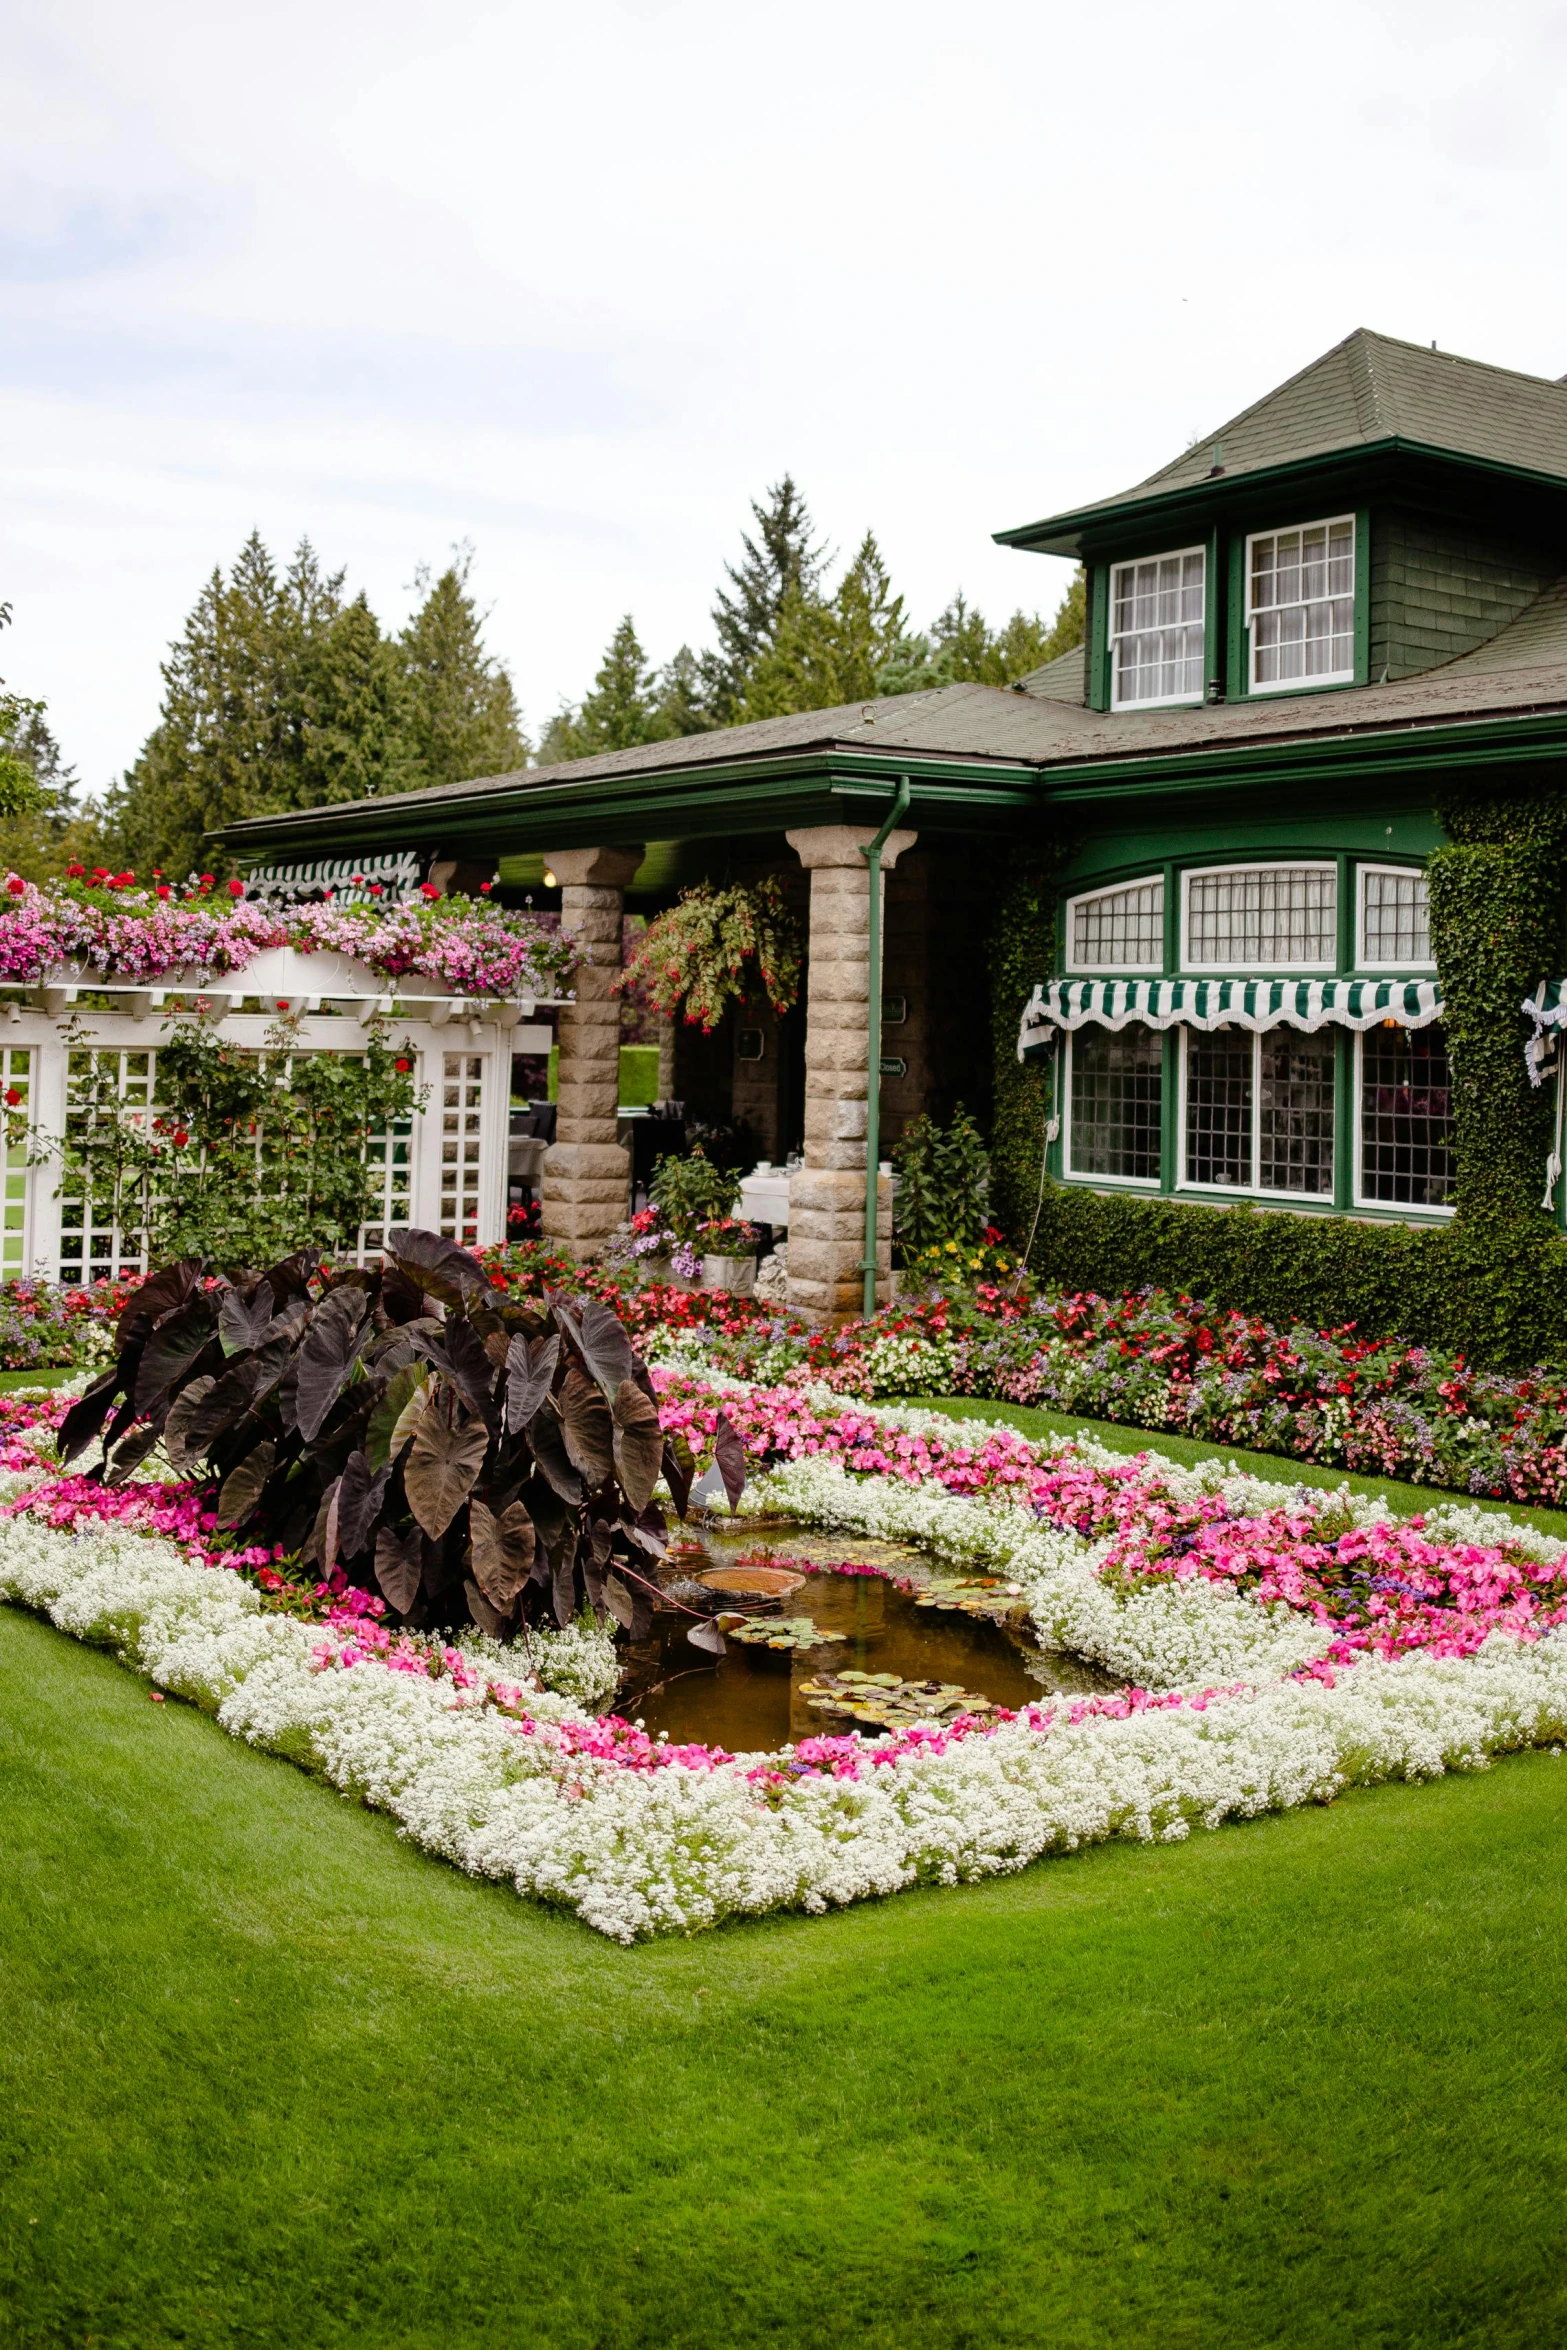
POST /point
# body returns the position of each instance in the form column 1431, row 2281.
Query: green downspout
column 871, row 852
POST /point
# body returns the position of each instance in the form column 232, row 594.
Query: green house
column 1237, row 908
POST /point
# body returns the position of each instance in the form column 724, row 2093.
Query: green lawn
column 270, row 2077
column 11, row 1380
column 1117, row 1437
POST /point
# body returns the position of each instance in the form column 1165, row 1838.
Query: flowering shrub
column 49, row 1325
column 693, row 958
column 108, row 924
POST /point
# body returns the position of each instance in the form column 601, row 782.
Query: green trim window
column 1300, row 606
column 1258, row 1110
column 1116, row 1087
column 1158, row 612
column 1405, row 1152
column 1260, row 918
column 1394, row 925
column 1117, row 930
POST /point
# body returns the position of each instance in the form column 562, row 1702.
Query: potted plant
column 727, row 1250
column 692, row 1202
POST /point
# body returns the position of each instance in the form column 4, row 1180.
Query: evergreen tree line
column 785, row 641
column 283, row 691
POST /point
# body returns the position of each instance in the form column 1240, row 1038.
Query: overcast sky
column 574, row 281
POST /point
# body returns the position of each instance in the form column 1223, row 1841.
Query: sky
column 572, row 283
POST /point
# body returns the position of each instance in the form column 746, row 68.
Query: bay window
column 1300, row 606
column 1259, row 1110
column 1261, row 918
column 1157, row 611
column 1406, row 1117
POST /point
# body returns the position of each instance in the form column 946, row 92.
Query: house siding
column 1438, row 591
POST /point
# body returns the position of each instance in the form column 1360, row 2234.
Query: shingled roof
column 1368, row 391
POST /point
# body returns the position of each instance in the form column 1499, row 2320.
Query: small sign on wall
column 894, row 1010
column 892, row 1065
column 751, row 1045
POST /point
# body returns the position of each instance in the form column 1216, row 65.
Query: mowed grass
column 1188, row 1450
column 271, row 2077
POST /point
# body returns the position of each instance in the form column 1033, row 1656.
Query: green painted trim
column 1170, row 1111
column 1099, row 637
column 1348, row 888
column 1237, row 683
column 1383, row 751
column 1343, row 1120
column 1172, row 918
column 1213, row 619
column 1061, row 534
column 1362, row 596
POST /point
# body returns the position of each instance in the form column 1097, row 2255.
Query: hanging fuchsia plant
column 717, row 947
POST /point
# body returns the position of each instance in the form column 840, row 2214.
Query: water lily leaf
column 443, row 1463
column 399, row 1562
column 503, row 1548
column 397, row 1415
column 707, row 1635
column 90, row 1410
column 360, row 1496
column 638, row 1444
column 242, row 1321
column 241, row 1488
column 587, row 1428
column 549, row 1451
column 326, row 1356
column 730, row 1459
column 529, row 1370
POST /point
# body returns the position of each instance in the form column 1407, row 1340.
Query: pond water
column 974, row 1640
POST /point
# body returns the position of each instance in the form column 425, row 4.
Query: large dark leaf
column 707, row 1635
column 549, row 1451
column 402, row 1299
column 248, row 1378
column 639, row 1444
column 327, row 1355
column 587, row 1427
column 545, row 1506
column 359, row 1503
column 488, row 1619
column 619, row 1602
column 442, row 1464
column 131, row 1454
column 679, row 1469
column 730, row 1457
column 441, row 1268
column 241, row 1488
column 176, row 1428
column 242, row 1320
column 399, row 1563
column 529, row 1370
column 564, row 1584
column 173, row 1348
column 605, row 1347
column 157, row 1296
column 397, row 1414
column 502, row 1551
column 290, row 1276
column 87, row 1415
column 470, row 1369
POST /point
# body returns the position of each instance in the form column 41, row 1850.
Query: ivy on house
column 1021, row 948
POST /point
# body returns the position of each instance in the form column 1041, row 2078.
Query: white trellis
column 443, row 1168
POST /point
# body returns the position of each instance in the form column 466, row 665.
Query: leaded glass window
column 1259, row 1110
column 1156, row 629
column 1119, row 929
column 1262, row 918
column 1117, row 1099
column 1301, row 606
column 1406, row 1117
column 1395, row 917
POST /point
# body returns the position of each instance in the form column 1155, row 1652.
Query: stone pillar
column 827, row 1194
column 587, row 1175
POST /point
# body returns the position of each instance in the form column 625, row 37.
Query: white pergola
column 444, row 1169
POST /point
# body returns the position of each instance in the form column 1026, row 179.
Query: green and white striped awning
column 1228, row 1003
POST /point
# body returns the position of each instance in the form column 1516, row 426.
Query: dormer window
column 1300, row 606
column 1156, row 630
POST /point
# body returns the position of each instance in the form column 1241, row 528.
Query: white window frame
column 1253, row 865
column 1402, row 1211
column 1068, row 1127
column 1253, row 1188
column 1363, row 961
column 1115, row 970
column 1113, row 635
column 1301, row 685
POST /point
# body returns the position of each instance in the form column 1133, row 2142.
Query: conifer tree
column 783, row 562
column 629, row 704
column 831, row 650
column 461, row 718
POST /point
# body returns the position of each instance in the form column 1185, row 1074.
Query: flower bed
column 122, row 931
column 1278, row 1647
column 58, row 1325
column 1377, row 1406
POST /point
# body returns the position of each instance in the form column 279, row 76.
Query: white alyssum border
column 635, row 1854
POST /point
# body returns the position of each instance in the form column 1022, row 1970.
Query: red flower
column 163, row 889
column 13, row 1094
column 181, row 1138
column 236, row 889
column 74, row 872
column 427, row 889
column 282, row 1003
column 377, row 889
column 403, row 1068
column 16, row 885
column 157, row 873
column 206, row 881
column 485, row 888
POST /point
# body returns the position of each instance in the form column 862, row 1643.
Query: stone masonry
column 587, row 1175
column 827, row 1194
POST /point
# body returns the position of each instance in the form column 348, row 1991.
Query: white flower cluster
column 641, row 1852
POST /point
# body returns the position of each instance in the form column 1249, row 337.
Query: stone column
column 827, row 1194
column 587, row 1175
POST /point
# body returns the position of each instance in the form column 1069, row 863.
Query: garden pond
column 863, row 1635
